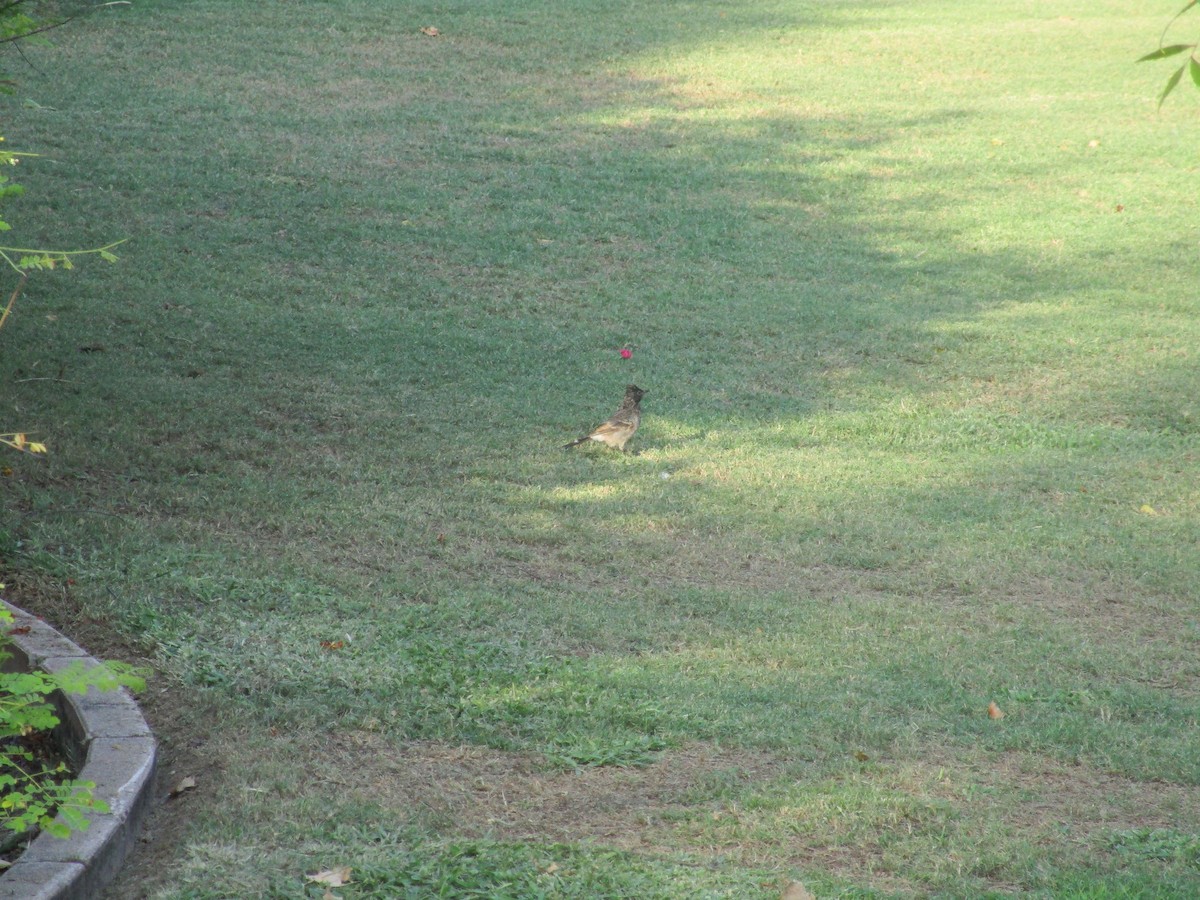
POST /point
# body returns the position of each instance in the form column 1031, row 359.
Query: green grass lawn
column 912, row 290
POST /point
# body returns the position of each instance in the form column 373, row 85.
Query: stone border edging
column 108, row 742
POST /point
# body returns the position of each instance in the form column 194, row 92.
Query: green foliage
column 1192, row 66
column 17, row 25
column 8, row 189
column 24, row 259
column 33, row 794
column 45, row 798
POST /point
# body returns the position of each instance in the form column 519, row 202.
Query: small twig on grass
column 13, row 299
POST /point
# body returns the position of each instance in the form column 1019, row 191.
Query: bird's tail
column 577, row 442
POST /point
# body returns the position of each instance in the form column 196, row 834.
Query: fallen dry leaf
column 796, row 891
column 184, row 785
column 430, row 31
column 994, row 711
column 332, row 645
column 331, row 877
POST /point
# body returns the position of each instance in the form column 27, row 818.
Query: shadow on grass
column 414, row 317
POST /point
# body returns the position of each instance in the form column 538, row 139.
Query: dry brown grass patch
column 476, row 791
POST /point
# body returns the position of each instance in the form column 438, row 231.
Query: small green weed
column 577, row 751
column 1162, row 844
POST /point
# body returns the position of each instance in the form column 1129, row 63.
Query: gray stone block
column 111, row 745
column 97, row 713
column 123, row 770
column 38, row 643
column 40, row 881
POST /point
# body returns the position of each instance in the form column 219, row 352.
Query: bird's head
column 634, row 393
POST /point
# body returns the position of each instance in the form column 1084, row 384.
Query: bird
column 617, row 431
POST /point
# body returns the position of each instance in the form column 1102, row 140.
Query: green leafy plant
column 23, row 260
column 22, row 20
column 37, row 790
column 35, row 793
column 17, row 25
column 1191, row 66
